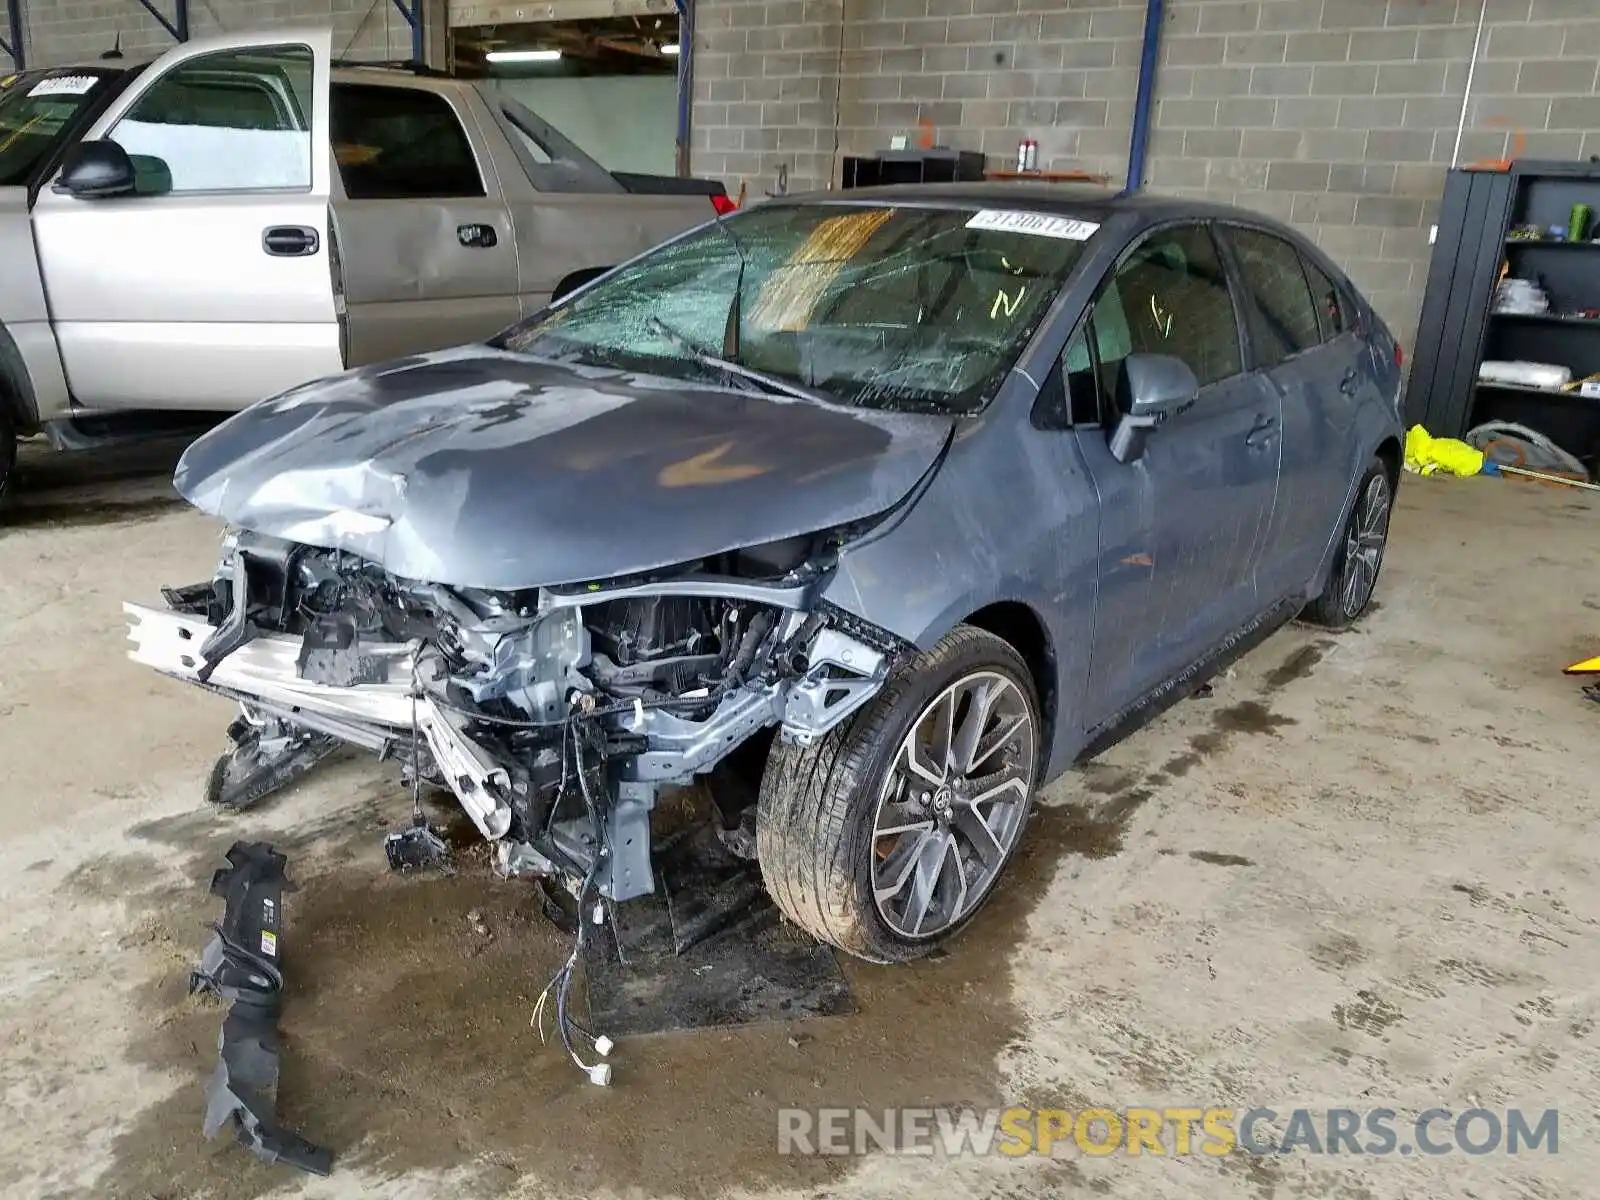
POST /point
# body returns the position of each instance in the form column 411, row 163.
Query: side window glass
column 238, row 120
column 1078, row 376
column 1169, row 297
column 1287, row 318
column 1329, row 301
column 395, row 143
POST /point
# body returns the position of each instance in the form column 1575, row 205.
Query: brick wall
column 66, row 31
column 1339, row 116
column 766, row 90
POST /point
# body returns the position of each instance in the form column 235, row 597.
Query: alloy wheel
column 1364, row 543
column 953, row 804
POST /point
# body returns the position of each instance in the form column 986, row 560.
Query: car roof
column 1067, row 199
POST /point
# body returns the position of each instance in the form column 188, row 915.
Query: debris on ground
column 241, row 965
column 707, row 949
column 1428, row 455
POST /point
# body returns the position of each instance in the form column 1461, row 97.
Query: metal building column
column 411, row 10
column 11, row 45
column 685, row 79
column 178, row 27
column 1144, row 102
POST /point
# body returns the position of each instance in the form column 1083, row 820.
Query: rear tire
column 1359, row 556
column 886, row 836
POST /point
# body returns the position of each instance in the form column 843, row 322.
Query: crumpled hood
column 481, row 468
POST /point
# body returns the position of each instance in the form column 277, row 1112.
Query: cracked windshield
column 905, row 308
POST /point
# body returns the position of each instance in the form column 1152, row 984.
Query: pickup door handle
column 477, row 236
column 1261, row 433
column 1350, row 382
column 290, row 241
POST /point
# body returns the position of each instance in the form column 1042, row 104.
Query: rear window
column 885, row 307
column 400, row 144
column 1329, row 299
column 38, row 110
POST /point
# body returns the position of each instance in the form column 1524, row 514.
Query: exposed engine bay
column 554, row 715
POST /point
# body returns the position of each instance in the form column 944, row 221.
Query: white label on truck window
column 64, row 85
column 1038, row 224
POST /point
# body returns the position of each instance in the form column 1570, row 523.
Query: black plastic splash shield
column 708, row 949
column 242, row 965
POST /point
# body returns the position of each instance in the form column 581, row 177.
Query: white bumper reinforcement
column 266, row 669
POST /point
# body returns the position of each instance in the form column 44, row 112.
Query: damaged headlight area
column 554, row 715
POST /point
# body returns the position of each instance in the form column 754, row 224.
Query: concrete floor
column 1362, row 873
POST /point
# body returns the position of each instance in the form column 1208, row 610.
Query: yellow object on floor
column 1589, row 666
column 1426, row 454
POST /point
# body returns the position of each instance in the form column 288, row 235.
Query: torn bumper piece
column 241, row 965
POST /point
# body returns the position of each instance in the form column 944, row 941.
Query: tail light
column 723, row 203
column 1399, row 355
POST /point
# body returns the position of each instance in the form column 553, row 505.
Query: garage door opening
column 611, row 83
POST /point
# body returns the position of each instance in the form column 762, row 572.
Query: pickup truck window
column 237, row 120
column 896, row 308
column 37, row 112
column 399, row 143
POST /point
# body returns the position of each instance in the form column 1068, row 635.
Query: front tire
column 1359, row 556
column 886, row 836
column 8, row 456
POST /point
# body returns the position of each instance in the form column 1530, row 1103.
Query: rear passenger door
column 1301, row 348
column 426, row 253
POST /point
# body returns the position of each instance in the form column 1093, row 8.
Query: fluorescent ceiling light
column 670, row 48
column 522, row 56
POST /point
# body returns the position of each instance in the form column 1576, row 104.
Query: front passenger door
column 211, row 287
column 1210, row 473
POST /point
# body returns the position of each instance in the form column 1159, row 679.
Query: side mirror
column 1159, row 387
column 96, row 171
column 100, row 170
column 577, row 279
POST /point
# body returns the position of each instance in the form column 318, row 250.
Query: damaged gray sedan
column 878, row 510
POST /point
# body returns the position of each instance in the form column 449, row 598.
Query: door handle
column 290, row 241
column 1261, row 432
column 477, row 236
column 1350, row 382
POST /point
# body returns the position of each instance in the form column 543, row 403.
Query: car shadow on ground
column 92, row 487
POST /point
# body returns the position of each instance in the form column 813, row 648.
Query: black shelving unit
column 1459, row 329
column 912, row 166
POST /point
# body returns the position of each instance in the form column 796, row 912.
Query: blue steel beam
column 412, row 12
column 178, row 27
column 1144, row 103
column 12, row 45
column 685, row 79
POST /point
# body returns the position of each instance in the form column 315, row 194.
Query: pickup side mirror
column 1159, row 387
column 572, row 282
column 99, row 170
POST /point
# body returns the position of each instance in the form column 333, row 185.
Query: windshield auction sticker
column 64, row 85
column 1038, row 224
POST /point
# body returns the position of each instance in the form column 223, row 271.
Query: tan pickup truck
column 243, row 215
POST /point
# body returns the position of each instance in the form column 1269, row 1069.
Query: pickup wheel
column 886, row 835
column 8, row 455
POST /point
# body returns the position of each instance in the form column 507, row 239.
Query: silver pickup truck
column 243, row 215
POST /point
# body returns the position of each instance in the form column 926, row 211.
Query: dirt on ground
column 1361, row 872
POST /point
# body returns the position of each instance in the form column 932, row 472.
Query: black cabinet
column 912, row 166
column 1480, row 240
